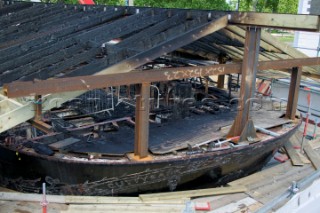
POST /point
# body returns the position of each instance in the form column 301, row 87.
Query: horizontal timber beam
column 29, row 88
column 284, row 21
column 18, row 89
column 288, row 63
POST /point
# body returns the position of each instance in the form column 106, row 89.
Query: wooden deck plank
column 222, row 200
column 312, row 155
column 64, row 143
column 15, row 196
column 264, row 174
column 315, row 144
column 192, row 193
column 293, row 154
column 235, row 206
column 127, row 207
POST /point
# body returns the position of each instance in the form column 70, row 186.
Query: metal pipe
column 44, row 203
column 268, row 132
column 314, row 135
column 307, row 119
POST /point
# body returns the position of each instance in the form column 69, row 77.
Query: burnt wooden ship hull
column 26, row 171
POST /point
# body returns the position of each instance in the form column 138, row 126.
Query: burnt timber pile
column 101, row 100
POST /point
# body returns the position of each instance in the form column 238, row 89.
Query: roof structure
column 41, row 41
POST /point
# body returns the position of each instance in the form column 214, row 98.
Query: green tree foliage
column 270, row 6
column 195, row 4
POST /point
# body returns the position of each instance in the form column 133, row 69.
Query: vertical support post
column 38, row 107
column 128, row 90
column 220, row 85
column 142, row 122
column 221, row 81
column 242, row 125
column 293, row 92
column 206, row 89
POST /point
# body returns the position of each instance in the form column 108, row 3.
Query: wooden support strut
column 142, row 122
column 242, row 125
column 60, row 85
column 293, row 93
column 221, row 78
column 37, row 121
column 38, row 107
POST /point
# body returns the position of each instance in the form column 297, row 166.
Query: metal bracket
column 294, row 188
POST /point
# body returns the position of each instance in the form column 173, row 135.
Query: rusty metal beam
column 247, row 87
column 283, row 21
column 293, row 92
column 18, row 89
column 141, row 137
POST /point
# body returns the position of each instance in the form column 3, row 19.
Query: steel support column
column 242, row 125
column 293, row 92
column 142, row 122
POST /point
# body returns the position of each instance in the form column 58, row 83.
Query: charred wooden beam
column 122, row 27
column 24, row 15
column 14, row 7
column 43, row 22
column 167, row 46
column 153, row 30
column 203, row 46
column 283, row 21
column 127, row 66
column 293, row 92
column 49, row 66
column 241, row 125
column 141, row 139
column 45, row 43
column 51, row 60
column 151, row 41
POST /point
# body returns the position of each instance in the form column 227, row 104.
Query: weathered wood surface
column 138, row 208
column 302, row 22
column 265, row 185
column 312, row 155
column 315, row 144
column 293, row 154
column 238, row 206
column 192, row 193
column 64, row 143
column 15, row 196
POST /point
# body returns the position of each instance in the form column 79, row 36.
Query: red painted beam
column 87, row 2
